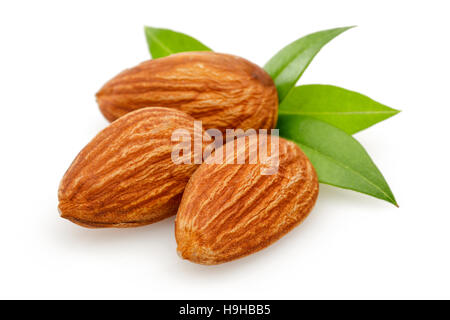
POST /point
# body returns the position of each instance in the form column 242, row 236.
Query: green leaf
column 338, row 158
column 287, row 66
column 344, row 109
column 164, row 42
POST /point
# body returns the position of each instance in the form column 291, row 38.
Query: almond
column 229, row 211
column 224, row 91
column 125, row 176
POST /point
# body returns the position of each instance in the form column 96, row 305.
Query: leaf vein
column 350, row 169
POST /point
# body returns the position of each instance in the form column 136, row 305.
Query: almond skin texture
column 125, row 176
column 229, row 211
column 224, row 91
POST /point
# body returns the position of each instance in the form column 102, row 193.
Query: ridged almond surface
column 231, row 210
column 125, row 176
column 224, row 91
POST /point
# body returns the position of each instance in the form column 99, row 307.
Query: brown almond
column 222, row 90
column 229, row 211
column 125, row 176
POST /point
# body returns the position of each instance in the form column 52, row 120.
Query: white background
column 55, row 55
